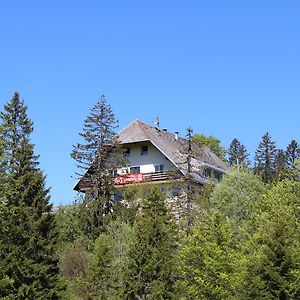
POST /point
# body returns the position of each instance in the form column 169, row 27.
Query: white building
column 160, row 157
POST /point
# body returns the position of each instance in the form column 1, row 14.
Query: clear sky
column 225, row 68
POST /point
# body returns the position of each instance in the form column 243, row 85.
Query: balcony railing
column 137, row 178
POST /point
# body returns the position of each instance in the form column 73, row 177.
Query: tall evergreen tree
column 29, row 243
column 265, row 158
column 152, row 266
column 97, row 157
column 237, row 154
column 280, row 164
column 292, row 153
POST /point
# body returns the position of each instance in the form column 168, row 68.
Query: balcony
column 139, row 177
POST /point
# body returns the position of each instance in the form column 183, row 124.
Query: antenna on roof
column 156, row 121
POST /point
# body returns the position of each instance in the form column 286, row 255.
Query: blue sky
column 225, row 68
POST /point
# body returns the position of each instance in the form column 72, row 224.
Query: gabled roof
column 175, row 149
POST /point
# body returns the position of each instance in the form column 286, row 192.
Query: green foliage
column 237, row 195
column 28, row 245
column 265, row 159
column 237, row 154
column 211, row 142
column 152, row 259
column 101, row 272
column 207, row 260
column 100, row 152
column 271, row 269
column 292, row 153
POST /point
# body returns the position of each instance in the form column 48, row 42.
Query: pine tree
column 152, row 266
column 292, row 153
column 29, row 243
column 265, row 158
column 237, row 154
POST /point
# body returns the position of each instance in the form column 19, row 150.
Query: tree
column 265, row 158
column 271, row 269
column 97, row 157
column 280, row 164
column 292, row 153
column 211, row 142
column 237, row 196
column 237, row 154
column 108, row 268
column 27, row 248
column 207, row 260
column 152, row 257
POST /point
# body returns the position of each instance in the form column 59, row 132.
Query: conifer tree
column 280, row 164
column 292, row 153
column 152, row 266
column 265, row 158
column 97, row 157
column 29, row 243
column 237, row 154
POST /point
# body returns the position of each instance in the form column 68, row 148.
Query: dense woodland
column 243, row 240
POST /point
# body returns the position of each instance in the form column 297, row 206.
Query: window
column 159, row 168
column 207, row 173
column 135, row 170
column 144, row 150
column 126, row 152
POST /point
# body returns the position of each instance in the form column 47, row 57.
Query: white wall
column 147, row 161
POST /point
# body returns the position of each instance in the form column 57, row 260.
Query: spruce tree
column 152, row 256
column 97, row 157
column 237, row 154
column 29, row 243
column 292, row 153
column 280, row 164
column 265, row 158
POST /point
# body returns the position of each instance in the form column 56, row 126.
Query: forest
column 242, row 241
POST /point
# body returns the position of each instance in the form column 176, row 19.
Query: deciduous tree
column 211, row 142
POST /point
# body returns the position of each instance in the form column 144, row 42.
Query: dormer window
column 144, row 150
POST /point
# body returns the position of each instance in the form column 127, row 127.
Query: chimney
column 165, row 129
column 176, row 135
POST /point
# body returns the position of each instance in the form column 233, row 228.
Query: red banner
column 129, row 178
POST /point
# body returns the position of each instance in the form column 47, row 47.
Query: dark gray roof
column 174, row 149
